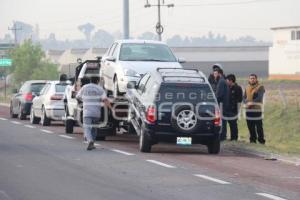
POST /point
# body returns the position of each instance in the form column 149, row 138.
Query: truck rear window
column 60, row 88
column 36, row 87
column 185, row 92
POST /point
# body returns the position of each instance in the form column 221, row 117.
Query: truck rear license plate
column 184, row 141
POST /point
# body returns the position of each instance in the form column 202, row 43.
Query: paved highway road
column 38, row 163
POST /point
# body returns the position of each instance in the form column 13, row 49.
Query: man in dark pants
column 253, row 99
column 235, row 99
column 222, row 95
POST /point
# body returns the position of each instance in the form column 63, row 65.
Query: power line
column 226, row 3
column 159, row 28
column 15, row 29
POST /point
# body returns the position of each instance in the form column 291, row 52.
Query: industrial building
column 284, row 55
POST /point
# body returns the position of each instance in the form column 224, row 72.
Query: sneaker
column 90, row 146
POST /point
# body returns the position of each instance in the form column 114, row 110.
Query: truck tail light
column 217, row 120
column 28, row 96
column 150, row 116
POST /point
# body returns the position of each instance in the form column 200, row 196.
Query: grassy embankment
column 281, row 119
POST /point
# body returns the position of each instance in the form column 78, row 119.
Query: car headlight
column 130, row 72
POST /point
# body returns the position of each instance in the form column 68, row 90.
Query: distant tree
column 175, row 41
column 102, row 38
column 147, row 36
column 29, row 63
column 87, row 29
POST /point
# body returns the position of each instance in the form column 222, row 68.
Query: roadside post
column 4, row 64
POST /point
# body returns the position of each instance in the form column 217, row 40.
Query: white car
column 127, row 60
column 49, row 104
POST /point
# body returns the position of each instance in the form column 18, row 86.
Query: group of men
column 230, row 97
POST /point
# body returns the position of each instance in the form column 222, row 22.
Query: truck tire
column 11, row 112
column 33, row 118
column 45, row 121
column 145, row 142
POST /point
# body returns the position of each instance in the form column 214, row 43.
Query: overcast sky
column 188, row 18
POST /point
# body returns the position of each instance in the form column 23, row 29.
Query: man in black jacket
column 213, row 78
column 234, row 103
column 222, row 95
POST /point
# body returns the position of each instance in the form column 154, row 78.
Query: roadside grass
column 282, row 131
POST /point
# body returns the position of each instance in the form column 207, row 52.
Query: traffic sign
column 5, row 62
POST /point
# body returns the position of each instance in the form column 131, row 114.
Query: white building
column 284, row 55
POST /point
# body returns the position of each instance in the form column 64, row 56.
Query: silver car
column 49, row 104
column 127, row 60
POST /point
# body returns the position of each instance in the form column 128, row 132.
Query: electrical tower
column 159, row 28
column 15, row 29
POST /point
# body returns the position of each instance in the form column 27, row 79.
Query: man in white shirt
column 92, row 96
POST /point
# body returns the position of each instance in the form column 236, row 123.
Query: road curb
column 4, row 104
column 267, row 155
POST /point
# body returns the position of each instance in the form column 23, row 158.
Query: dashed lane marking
column 160, row 163
column 270, row 196
column 46, row 131
column 3, row 119
column 29, row 126
column 15, row 122
column 123, row 152
column 65, row 136
column 211, row 179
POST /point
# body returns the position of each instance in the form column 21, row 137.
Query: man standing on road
column 222, row 94
column 235, row 99
column 91, row 95
column 253, row 99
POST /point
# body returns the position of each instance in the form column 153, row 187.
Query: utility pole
column 125, row 19
column 159, row 28
column 15, row 29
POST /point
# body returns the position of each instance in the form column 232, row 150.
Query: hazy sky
column 188, row 18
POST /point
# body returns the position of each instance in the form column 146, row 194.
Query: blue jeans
column 90, row 126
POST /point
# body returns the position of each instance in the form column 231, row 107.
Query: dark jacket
column 235, row 98
column 213, row 82
column 222, row 94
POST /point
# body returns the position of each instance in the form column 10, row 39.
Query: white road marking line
column 65, row 136
column 46, row 131
column 15, row 122
column 123, row 152
column 29, row 126
column 211, row 179
column 3, row 119
column 96, row 144
column 161, row 164
column 270, row 196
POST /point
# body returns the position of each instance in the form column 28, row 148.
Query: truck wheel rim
column 186, row 120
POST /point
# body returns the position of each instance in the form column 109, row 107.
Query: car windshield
column 36, row 87
column 60, row 88
column 146, row 52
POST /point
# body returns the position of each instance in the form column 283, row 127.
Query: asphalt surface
column 41, row 163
